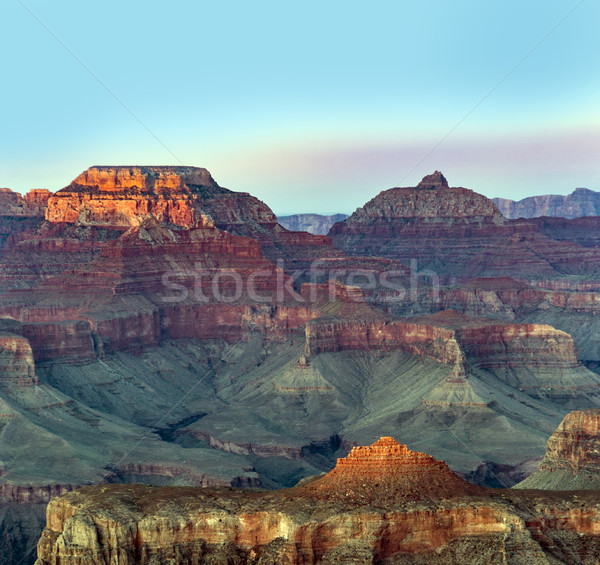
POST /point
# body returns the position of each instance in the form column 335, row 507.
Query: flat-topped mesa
column 389, row 470
column 151, row 179
column 186, row 197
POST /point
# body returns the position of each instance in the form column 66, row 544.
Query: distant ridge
column 316, row 224
column 581, row 202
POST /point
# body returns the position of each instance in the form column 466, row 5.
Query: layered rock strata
column 486, row 343
column 32, row 204
column 17, row 366
column 572, row 459
column 382, row 503
column 453, row 231
column 19, row 214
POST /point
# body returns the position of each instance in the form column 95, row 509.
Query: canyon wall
column 572, row 459
column 126, row 196
column 486, row 344
column 382, row 503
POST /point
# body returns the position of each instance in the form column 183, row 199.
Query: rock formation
column 383, row 503
column 572, row 458
column 151, row 292
column 32, row 204
column 18, row 213
column 457, row 232
column 17, row 367
column 451, row 338
column 581, row 202
column 126, row 196
column 388, row 471
column 432, row 201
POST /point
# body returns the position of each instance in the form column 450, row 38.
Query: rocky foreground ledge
column 381, row 504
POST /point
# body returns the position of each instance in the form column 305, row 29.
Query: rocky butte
column 456, row 232
column 572, row 458
column 382, row 504
column 125, row 196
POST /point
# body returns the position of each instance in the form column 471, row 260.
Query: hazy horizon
column 312, row 108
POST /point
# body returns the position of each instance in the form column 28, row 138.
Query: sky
column 312, row 106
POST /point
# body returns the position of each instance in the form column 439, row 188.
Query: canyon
column 382, row 503
column 158, row 328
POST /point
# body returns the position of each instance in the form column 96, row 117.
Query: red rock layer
column 154, row 282
column 390, row 467
column 126, row 196
column 487, row 344
column 68, row 341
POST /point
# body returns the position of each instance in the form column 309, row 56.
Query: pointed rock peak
column 435, row 180
column 387, row 441
column 379, row 455
column 385, row 471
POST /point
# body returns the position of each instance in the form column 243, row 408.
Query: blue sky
column 312, row 107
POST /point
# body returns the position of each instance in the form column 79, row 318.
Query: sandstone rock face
column 33, row 204
column 344, row 335
column 576, row 442
column 18, row 214
column 572, row 458
column 17, row 366
column 388, row 469
column 65, row 341
column 447, row 337
column 363, row 511
column 312, row 223
column 581, row 202
column 37, row 200
column 126, row 196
